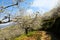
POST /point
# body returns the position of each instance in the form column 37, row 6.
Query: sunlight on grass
column 36, row 35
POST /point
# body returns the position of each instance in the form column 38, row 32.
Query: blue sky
column 39, row 5
column 30, row 6
column 11, row 10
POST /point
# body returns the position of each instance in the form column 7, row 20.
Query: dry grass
column 39, row 35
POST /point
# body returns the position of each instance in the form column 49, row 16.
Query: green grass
column 25, row 36
column 30, row 34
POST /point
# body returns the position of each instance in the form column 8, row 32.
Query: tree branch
column 10, row 5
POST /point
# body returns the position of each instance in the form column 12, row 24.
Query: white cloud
column 29, row 12
column 44, row 4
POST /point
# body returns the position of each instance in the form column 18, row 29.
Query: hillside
column 44, row 26
column 37, row 35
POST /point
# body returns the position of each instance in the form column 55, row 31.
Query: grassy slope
column 37, row 35
column 10, row 32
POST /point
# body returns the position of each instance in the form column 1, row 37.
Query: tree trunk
column 26, row 31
